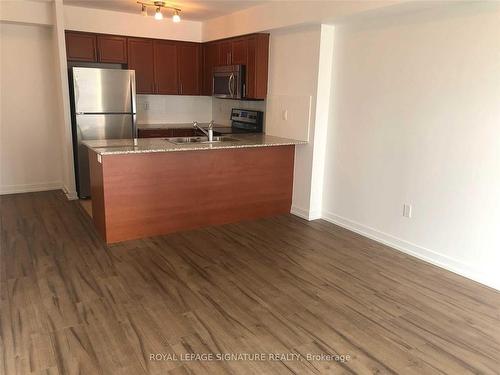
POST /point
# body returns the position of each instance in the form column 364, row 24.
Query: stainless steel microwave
column 229, row 82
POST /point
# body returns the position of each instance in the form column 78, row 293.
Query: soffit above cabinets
column 195, row 10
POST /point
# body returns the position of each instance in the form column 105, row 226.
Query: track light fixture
column 176, row 17
column 158, row 15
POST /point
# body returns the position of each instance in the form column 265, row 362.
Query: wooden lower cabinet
column 148, row 194
column 166, row 133
column 154, row 133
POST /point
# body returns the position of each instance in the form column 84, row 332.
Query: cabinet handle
column 181, row 88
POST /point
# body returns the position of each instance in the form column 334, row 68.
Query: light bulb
column 158, row 15
column 144, row 11
column 176, row 17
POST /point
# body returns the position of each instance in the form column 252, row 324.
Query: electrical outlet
column 407, row 210
column 146, row 106
column 284, row 114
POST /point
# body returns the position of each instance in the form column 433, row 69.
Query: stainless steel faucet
column 209, row 132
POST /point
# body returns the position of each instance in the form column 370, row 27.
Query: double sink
column 184, row 140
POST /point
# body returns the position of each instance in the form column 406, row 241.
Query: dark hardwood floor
column 72, row 305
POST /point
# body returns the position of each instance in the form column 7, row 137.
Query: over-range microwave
column 229, row 82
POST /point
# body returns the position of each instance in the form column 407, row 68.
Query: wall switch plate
column 407, row 210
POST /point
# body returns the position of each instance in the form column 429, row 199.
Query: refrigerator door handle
column 132, row 91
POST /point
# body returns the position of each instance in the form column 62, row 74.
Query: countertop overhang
column 152, row 145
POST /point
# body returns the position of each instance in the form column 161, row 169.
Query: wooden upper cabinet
column 252, row 51
column 165, row 67
column 176, row 68
column 225, row 50
column 257, row 66
column 81, row 46
column 189, row 63
column 141, row 59
column 239, row 52
column 112, row 49
column 210, row 59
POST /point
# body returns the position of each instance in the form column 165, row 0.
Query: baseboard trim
column 300, row 212
column 30, row 188
column 305, row 214
column 412, row 249
column 70, row 194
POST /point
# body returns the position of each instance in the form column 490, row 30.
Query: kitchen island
column 152, row 186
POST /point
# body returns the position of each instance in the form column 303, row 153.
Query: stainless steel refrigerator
column 103, row 107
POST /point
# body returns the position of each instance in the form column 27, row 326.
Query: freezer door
column 104, row 90
column 88, row 127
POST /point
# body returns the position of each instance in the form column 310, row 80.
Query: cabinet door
column 154, row 133
column 183, row 132
column 257, row 66
column 210, row 58
column 166, row 71
column 112, row 49
column 239, row 52
column 189, row 68
column 80, row 46
column 225, row 50
column 141, row 59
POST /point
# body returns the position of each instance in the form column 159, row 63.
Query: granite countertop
column 149, row 145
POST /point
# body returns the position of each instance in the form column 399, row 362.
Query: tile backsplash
column 177, row 109
column 221, row 109
column 173, row 109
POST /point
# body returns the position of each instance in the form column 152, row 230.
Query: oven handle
column 230, row 83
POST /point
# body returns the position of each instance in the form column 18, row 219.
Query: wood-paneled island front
column 148, row 187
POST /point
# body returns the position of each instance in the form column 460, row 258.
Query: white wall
column 173, row 109
column 32, row 12
column 62, row 92
column 283, row 14
column 110, row 22
column 30, row 147
column 293, row 78
column 416, row 120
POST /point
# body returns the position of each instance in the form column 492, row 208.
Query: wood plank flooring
column 72, row 305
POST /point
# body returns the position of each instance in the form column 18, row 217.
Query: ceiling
column 196, row 10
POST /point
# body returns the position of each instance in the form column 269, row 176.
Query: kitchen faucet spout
column 209, row 132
